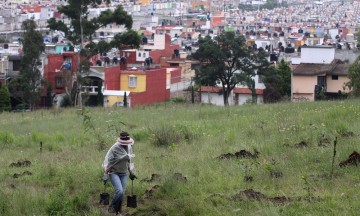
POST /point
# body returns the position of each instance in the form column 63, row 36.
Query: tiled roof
column 313, row 69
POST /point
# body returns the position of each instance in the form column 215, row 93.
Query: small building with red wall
column 141, row 86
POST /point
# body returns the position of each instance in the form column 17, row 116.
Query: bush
column 178, row 100
column 6, row 138
column 66, row 101
column 166, row 135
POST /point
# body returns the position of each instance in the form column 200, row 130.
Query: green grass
column 186, row 139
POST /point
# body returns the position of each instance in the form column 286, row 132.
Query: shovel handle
column 132, row 187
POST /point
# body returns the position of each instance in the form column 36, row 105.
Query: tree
column 82, row 29
column 285, row 73
column 5, row 103
column 125, row 100
column 277, row 81
column 49, row 98
column 354, row 76
column 28, row 86
column 227, row 61
column 271, row 79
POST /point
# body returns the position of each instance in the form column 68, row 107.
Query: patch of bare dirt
column 240, row 154
column 301, row 144
column 275, row 174
column 251, row 194
column 17, row 175
column 21, row 163
column 354, row 159
column 324, row 142
column 280, row 200
column 154, row 177
column 347, row 134
column 180, row 177
column 150, row 192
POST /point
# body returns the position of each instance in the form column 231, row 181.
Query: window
column 144, row 55
column 59, row 82
column 139, row 54
column 132, row 81
column 334, row 77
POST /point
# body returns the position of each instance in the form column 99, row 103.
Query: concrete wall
column 335, row 85
column 303, row 85
column 317, row 55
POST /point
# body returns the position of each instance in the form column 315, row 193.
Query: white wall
column 214, row 98
column 317, row 55
column 159, row 43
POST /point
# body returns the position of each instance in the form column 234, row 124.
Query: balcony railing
column 89, row 89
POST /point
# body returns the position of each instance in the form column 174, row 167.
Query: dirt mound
column 180, row 177
column 253, row 195
column 249, row 194
column 279, row 200
column 324, row 142
column 157, row 177
column 240, row 154
column 301, row 144
column 21, row 163
column 150, row 192
column 17, row 175
column 347, row 134
column 354, row 159
column 154, row 177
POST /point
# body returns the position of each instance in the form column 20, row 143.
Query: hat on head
column 125, row 139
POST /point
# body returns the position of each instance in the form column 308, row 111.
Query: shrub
column 6, row 138
column 178, row 100
column 164, row 136
column 168, row 135
column 66, row 101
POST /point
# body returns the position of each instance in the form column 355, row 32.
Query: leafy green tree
column 82, row 29
column 271, row 79
column 49, row 99
column 260, row 66
column 284, row 71
column 354, row 76
column 227, row 61
column 125, row 100
column 5, row 103
column 277, row 81
column 29, row 84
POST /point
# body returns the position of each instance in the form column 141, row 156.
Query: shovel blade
column 131, row 201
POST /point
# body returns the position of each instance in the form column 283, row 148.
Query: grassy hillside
column 185, row 159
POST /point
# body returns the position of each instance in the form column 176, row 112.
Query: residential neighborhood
column 317, row 39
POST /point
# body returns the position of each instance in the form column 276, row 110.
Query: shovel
column 131, row 199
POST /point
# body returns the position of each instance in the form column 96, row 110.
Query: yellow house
column 133, row 81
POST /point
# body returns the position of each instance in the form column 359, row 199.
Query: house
column 160, row 47
column 58, row 70
column 142, row 86
column 318, row 73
